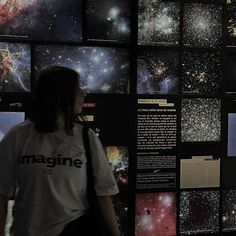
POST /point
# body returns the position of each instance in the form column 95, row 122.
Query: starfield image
column 231, row 23
column 157, row 72
column 101, row 69
column 44, row 20
column 15, row 67
column 230, row 73
column 108, row 20
column 158, row 22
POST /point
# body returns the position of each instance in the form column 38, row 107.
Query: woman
column 44, row 160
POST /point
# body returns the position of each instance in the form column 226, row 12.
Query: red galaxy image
column 155, row 214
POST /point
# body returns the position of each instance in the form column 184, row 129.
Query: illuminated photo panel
column 199, row 212
column 158, row 22
column 46, row 20
column 231, row 149
column 101, row 69
column 108, row 20
column 15, row 67
column 202, row 25
column 231, row 23
column 200, row 120
column 155, row 214
column 157, row 72
column 230, row 73
column 202, row 73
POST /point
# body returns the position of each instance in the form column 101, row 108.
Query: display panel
column 230, row 73
column 15, row 67
column 157, row 71
column 108, row 20
column 44, row 20
column 231, row 134
column 119, row 160
column 155, row 214
column 202, row 73
column 200, row 120
column 202, row 25
column 231, row 22
column 9, row 119
column 199, row 212
column 158, row 22
column 229, row 210
column 101, row 69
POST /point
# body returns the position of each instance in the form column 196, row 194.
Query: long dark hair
column 55, row 93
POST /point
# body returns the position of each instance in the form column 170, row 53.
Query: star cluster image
column 230, row 72
column 231, row 22
column 202, row 25
column 199, row 212
column 108, row 20
column 157, row 72
column 155, row 214
column 15, row 67
column 51, row 20
column 229, row 210
column 202, row 73
column 200, row 120
column 101, row 69
column 158, row 22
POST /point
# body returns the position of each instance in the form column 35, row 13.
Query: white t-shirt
column 49, row 170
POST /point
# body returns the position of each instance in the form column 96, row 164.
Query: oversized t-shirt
column 49, row 173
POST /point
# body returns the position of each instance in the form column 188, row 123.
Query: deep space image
column 231, row 22
column 199, row 212
column 158, row 22
column 230, row 73
column 157, row 72
column 101, row 69
column 119, row 159
column 155, row 214
column 8, row 120
column 200, row 120
column 15, row 67
column 51, row 20
column 229, row 210
column 202, row 25
column 108, row 20
column 202, row 73
column 120, row 202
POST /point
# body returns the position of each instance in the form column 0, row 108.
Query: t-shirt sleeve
column 7, row 164
column 104, row 181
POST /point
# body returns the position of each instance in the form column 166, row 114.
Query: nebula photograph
column 202, row 25
column 47, row 20
column 155, row 214
column 101, row 69
column 199, row 212
column 119, row 160
column 200, row 120
column 158, row 22
column 202, row 73
column 15, row 67
column 231, row 23
column 108, row 20
column 157, row 72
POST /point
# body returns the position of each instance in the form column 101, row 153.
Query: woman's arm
column 108, row 214
column 3, row 213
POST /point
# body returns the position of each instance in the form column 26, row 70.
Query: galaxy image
column 15, row 67
column 200, row 120
column 199, row 212
column 101, row 69
column 51, row 20
column 8, row 120
column 231, row 22
column 202, row 73
column 119, row 159
column 108, row 20
column 202, row 25
column 229, row 210
column 157, row 72
column 155, row 214
column 120, row 202
column 230, row 73
column 158, row 22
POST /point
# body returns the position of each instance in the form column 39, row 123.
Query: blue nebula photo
column 231, row 150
